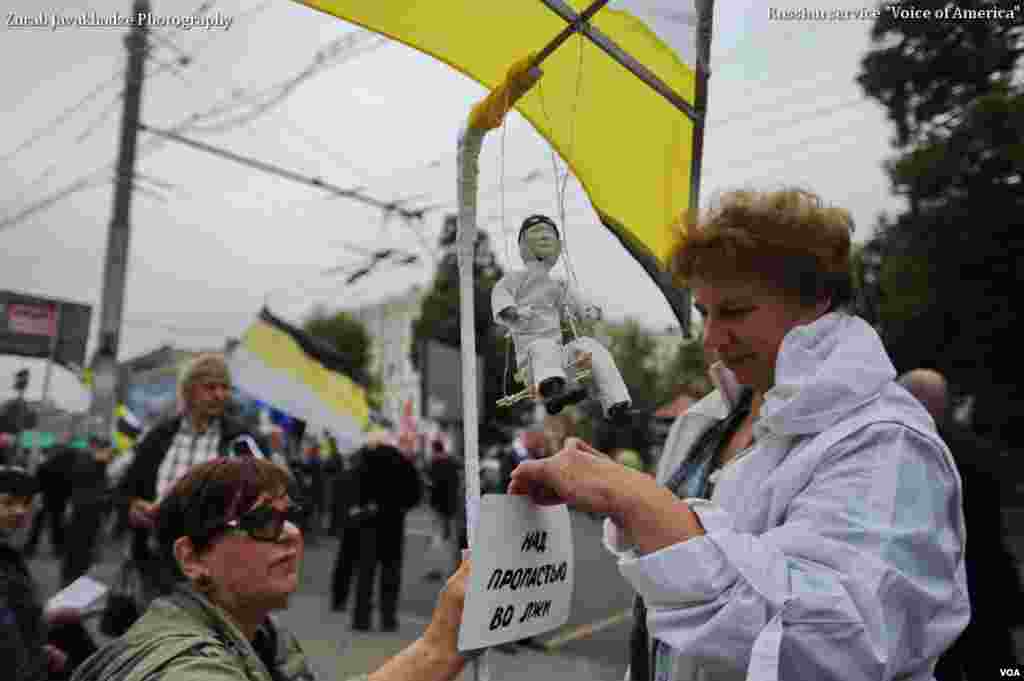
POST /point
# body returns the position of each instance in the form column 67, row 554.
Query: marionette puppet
column 532, row 305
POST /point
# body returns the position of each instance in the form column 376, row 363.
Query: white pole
column 470, row 140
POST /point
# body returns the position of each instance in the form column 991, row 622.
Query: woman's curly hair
column 787, row 238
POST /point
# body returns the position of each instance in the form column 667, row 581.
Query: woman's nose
column 292, row 532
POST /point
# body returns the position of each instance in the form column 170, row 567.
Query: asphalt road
column 599, row 624
column 598, row 629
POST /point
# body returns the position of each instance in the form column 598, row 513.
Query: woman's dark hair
column 211, row 495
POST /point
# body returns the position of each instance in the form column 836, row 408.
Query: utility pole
column 115, row 267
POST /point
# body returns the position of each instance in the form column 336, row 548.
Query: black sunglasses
column 266, row 523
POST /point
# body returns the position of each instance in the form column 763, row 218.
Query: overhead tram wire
column 791, row 93
column 113, row 103
column 63, row 117
column 787, row 163
column 181, row 330
column 94, row 125
column 54, row 198
column 385, row 206
column 798, row 145
column 822, row 111
column 88, row 180
column 317, row 144
column 161, row 67
column 333, row 54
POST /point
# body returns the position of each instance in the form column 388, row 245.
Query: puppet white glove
column 592, row 312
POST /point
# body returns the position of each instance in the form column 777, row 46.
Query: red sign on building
column 33, row 320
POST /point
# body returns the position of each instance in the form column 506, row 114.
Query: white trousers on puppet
column 548, row 358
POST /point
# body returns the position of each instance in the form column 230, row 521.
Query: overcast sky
column 212, row 240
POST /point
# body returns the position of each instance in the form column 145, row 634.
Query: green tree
column 950, row 273
column 633, row 350
column 348, row 338
column 440, row 317
column 687, row 372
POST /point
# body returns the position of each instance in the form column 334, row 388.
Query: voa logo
column 1009, row 671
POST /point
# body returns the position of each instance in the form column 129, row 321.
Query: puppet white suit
column 531, row 303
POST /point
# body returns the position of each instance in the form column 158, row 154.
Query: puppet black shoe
column 618, row 414
column 557, row 404
column 551, row 387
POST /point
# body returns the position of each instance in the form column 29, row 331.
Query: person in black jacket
column 345, row 525
column 89, row 500
column 443, row 475
column 201, row 432
column 992, row 582
column 388, row 486
column 54, row 478
column 34, row 646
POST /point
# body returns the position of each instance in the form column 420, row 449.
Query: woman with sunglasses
column 229, row 530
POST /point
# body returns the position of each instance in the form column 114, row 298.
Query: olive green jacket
column 185, row 637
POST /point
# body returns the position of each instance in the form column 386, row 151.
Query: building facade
column 389, row 325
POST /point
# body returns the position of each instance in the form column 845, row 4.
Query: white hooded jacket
column 834, row 545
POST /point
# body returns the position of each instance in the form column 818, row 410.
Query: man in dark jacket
column 388, row 486
column 992, row 581
column 54, row 478
column 443, row 475
column 89, row 500
column 344, row 525
column 203, row 431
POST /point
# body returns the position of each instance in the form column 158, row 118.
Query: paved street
column 591, row 646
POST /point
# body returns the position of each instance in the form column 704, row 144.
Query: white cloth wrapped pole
column 470, row 141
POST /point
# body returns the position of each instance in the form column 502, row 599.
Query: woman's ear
column 189, row 561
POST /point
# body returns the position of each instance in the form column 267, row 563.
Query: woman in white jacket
column 806, row 522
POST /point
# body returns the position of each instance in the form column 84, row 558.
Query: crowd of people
column 807, row 519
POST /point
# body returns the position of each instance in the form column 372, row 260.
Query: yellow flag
column 627, row 142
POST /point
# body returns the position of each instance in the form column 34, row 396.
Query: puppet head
column 539, row 241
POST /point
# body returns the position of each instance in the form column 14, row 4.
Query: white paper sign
column 79, row 594
column 521, row 583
